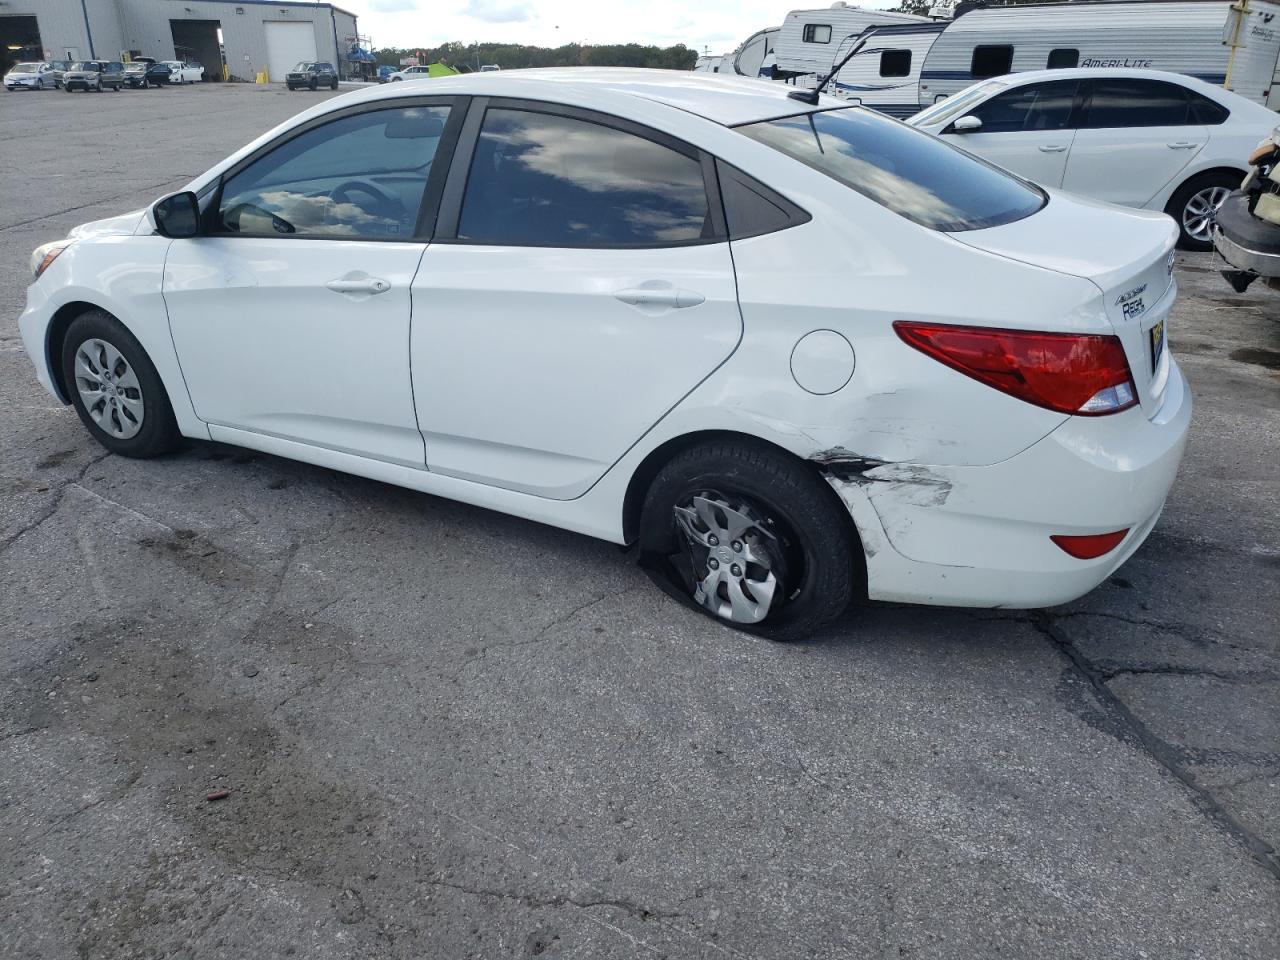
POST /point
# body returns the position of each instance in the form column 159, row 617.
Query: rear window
column 908, row 171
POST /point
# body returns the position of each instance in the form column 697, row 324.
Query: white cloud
column 500, row 11
column 392, row 6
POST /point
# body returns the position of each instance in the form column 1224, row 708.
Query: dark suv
column 94, row 75
column 312, row 76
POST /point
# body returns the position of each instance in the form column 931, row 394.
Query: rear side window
column 1036, row 106
column 1204, row 110
column 817, row 33
column 895, row 63
column 1063, row 58
column 541, row 179
column 990, row 61
column 1124, row 102
column 903, row 169
column 751, row 208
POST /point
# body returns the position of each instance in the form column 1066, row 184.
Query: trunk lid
column 1127, row 254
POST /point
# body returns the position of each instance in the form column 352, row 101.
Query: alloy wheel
column 1201, row 208
column 109, row 389
column 736, row 559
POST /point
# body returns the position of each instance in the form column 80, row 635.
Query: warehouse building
column 250, row 36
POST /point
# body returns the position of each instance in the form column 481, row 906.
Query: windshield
column 955, row 105
column 910, row 172
column 25, row 68
column 82, row 65
column 301, row 67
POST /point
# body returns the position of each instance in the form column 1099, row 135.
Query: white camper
column 808, row 40
column 755, row 57
column 885, row 74
column 707, row 63
column 1206, row 39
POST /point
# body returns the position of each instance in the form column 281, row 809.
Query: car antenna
column 811, row 96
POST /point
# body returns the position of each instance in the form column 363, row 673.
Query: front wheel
column 1195, row 205
column 751, row 537
column 115, row 388
column 333, row 84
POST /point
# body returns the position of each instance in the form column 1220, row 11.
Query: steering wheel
column 386, row 205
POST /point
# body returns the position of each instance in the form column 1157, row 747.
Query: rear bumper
column 1244, row 258
column 979, row 536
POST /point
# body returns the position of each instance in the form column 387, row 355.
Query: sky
column 716, row 24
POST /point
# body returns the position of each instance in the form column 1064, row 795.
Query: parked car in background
column 384, row 73
column 423, row 72
column 149, row 73
column 966, row 399
column 58, row 68
column 1141, row 138
column 94, row 75
column 490, row 68
column 312, row 76
column 183, row 72
column 30, row 76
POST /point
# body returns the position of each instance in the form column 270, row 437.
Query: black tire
column 333, row 84
column 815, row 548
column 314, row 84
column 159, row 430
column 1177, row 206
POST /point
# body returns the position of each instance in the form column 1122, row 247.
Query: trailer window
column 817, row 33
column 908, row 171
column 1064, row 58
column 990, row 61
column 895, row 63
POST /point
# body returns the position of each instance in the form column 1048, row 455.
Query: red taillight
column 1092, row 546
column 1067, row 372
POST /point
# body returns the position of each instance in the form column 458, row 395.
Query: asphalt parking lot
column 448, row 733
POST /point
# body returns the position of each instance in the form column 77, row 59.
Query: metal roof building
column 254, row 35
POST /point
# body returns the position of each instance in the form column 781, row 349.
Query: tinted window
column 1037, row 106
column 990, row 61
column 361, row 176
column 751, row 208
column 1062, row 58
column 1204, row 110
column 547, row 180
column 895, row 63
column 1123, row 102
column 817, row 33
column 906, row 170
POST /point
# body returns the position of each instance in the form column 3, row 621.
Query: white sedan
column 1142, row 138
column 183, row 72
column 31, row 76
column 794, row 354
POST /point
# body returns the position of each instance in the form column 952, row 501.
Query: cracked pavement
column 450, row 733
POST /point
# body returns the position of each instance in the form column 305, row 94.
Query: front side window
column 1125, row 102
column 990, row 61
column 817, row 33
column 1063, row 58
column 956, row 105
column 362, row 176
column 895, row 63
column 1036, row 106
column 540, row 179
column 903, row 169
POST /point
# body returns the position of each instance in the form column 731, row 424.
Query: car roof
column 723, row 99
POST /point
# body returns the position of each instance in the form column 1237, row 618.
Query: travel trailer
column 885, row 74
column 710, row 64
column 1206, row 39
column 756, row 57
column 808, row 40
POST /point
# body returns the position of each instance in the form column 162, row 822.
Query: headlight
column 45, row 254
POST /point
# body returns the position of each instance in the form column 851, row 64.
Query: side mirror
column 177, row 216
column 967, row 124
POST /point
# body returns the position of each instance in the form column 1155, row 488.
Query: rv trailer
column 707, row 63
column 1199, row 38
column 885, row 74
column 755, row 56
column 808, row 40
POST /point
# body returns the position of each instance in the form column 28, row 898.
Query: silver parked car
column 30, row 76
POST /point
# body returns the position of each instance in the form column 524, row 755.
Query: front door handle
column 363, row 285
column 1053, row 148
column 1182, row 145
column 660, row 295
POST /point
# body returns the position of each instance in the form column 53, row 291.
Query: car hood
column 125, row 225
column 1086, row 238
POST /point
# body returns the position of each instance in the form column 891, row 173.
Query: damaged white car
column 796, row 354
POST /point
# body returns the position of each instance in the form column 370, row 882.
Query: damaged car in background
column 795, row 354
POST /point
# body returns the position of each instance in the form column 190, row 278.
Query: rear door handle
column 1182, row 145
column 1053, row 148
column 368, row 285
column 660, row 296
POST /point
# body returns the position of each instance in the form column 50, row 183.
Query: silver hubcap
column 1197, row 216
column 109, row 389
column 732, row 563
